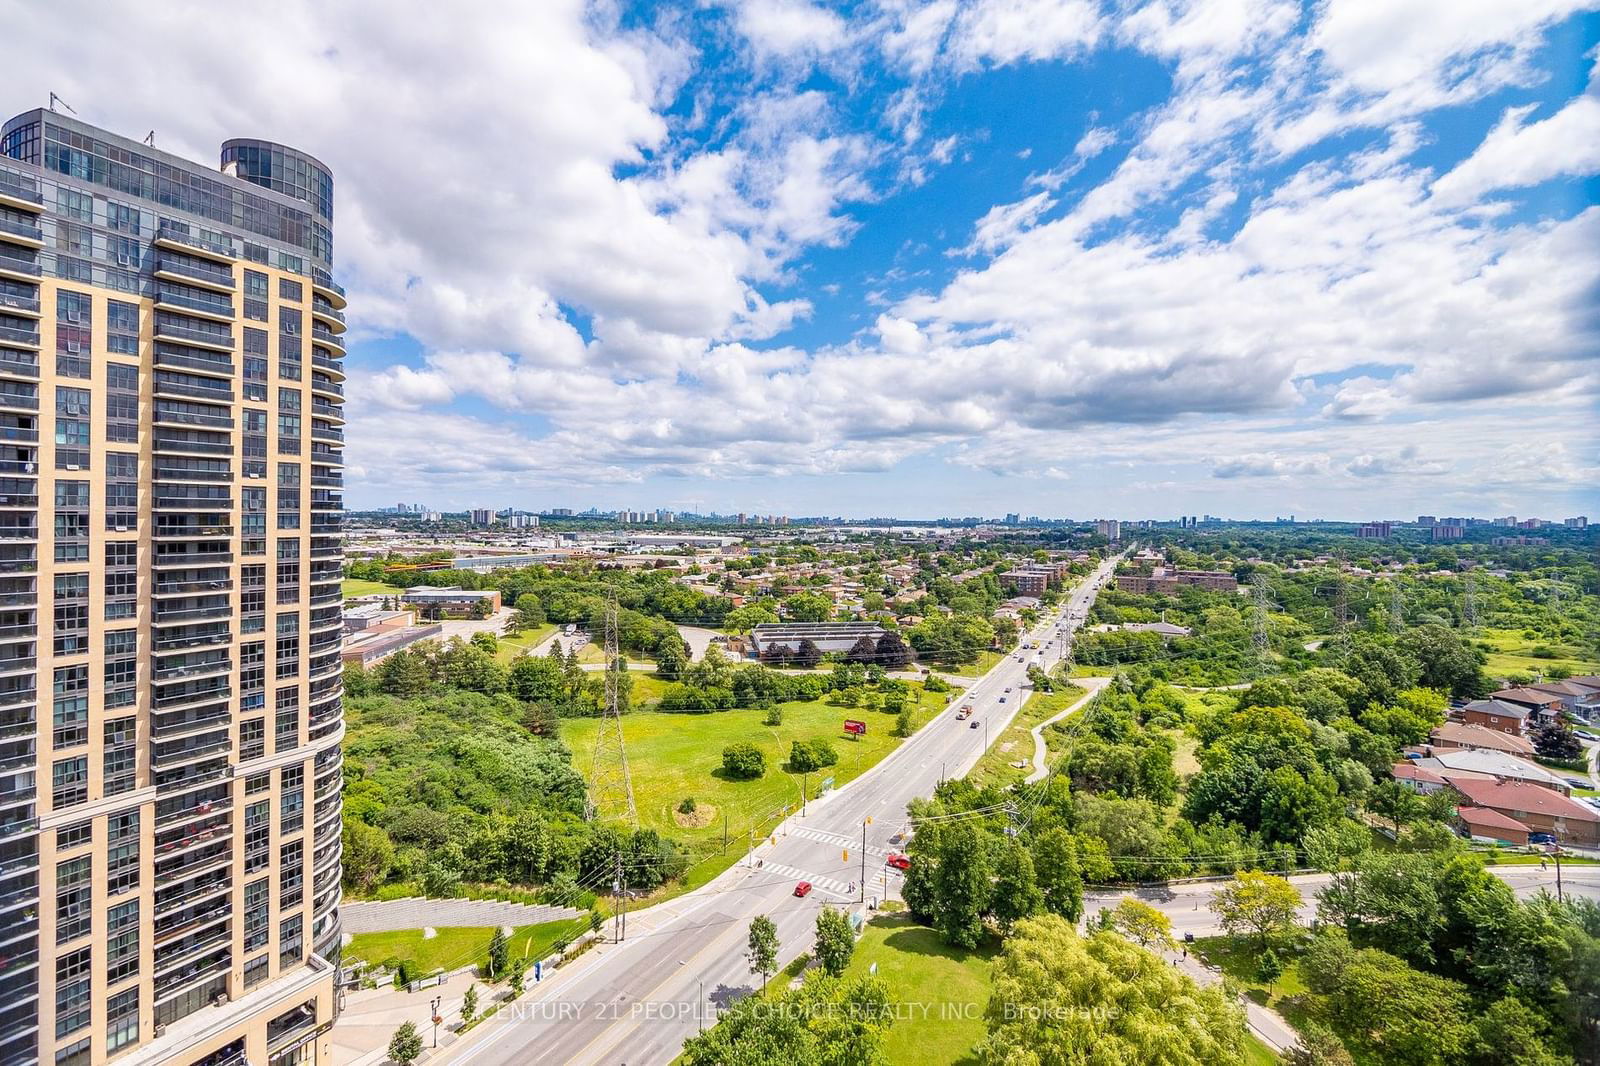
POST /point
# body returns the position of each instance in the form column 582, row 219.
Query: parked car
column 898, row 861
column 803, row 888
column 1541, row 838
column 1583, row 735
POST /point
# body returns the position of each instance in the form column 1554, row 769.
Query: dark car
column 972, row 724
column 1541, row 838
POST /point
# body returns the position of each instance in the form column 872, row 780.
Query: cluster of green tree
column 1116, row 753
column 959, row 638
column 888, row 651
column 827, row 1021
column 452, row 787
column 575, row 593
column 715, row 684
column 1427, row 958
column 549, row 686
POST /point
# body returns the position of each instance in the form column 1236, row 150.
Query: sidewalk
column 1267, row 1024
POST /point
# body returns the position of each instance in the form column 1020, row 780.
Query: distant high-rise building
column 1580, row 522
column 481, row 516
column 1375, row 530
column 172, row 386
column 1426, row 520
column 1012, row 519
column 1109, row 528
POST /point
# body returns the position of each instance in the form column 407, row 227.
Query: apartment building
column 170, row 556
column 1162, row 581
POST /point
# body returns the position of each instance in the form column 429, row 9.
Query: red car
column 899, row 861
column 803, row 888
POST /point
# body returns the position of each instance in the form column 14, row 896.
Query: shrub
column 743, row 761
column 687, row 806
column 774, row 716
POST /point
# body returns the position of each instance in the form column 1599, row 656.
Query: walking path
column 382, row 916
column 1264, row 1022
column 1040, row 752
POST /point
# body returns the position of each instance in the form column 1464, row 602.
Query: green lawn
column 511, row 647
column 356, row 587
column 1238, row 959
column 986, row 662
column 674, row 756
column 457, row 946
column 1512, row 654
column 1015, row 744
column 949, row 988
column 1257, row 1053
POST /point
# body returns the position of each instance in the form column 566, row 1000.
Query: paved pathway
column 1040, row 767
column 383, row 916
column 1264, row 1022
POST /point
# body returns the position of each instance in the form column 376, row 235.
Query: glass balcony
column 172, row 234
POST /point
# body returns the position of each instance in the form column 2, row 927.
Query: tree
column 1058, row 997
column 1384, row 1008
column 1142, row 924
column 808, row 756
column 743, row 761
column 1394, row 801
column 484, row 642
column 405, row 1046
column 763, row 946
column 893, row 654
column 469, row 1005
column 1318, row 1046
column 1257, row 903
column 903, row 726
column 671, row 659
column 517, row 979
column 808, row 607
column 1556, row 741
column 836, row 941
column 404, row 674
column 864, row 650
column 1055, row 864
column 1016, row 888
column 962, row 886
column 499, row 952
column 808, row 656
column 368, row 853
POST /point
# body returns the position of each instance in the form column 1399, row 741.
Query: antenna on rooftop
column 54, row 100
column 150, row 138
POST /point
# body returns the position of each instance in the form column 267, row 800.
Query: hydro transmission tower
column 1260, row 637
column 1469, row 603
column 1397, row 608
column 610, row 786
column 1341, row 604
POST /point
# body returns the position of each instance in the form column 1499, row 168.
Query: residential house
column 1578, row 697
column 1542, row 810
column 1498, row 715
column 1454, row 735
column 1418, row 779
column 1490, row 826
column 1495, row 764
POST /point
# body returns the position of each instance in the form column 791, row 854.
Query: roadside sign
column 855, row 727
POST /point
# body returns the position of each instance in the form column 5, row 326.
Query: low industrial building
column 371, row 648
column 439, row 602
column 827, row 636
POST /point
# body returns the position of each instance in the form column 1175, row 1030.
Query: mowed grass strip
column 672, row 757
column 941, row 990
column 1016, row 743
column 354, row 586
column 456, row 946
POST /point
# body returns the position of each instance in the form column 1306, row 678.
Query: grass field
column 985, row 663
column 459, row 946
column 1238, row 959
column 1016, row 743
column 357, row 587
column 511, row 647
column 949, row 986
column 1512, row 653
column 674, row 756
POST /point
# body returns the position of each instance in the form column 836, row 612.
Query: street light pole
column 433, row 1014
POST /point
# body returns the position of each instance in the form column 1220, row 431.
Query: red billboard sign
column 853, row 726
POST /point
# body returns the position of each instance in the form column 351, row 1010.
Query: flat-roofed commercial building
column 827, row 636
column 171, row 396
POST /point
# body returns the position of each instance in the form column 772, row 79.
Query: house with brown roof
column 1490, row 826
column 1479, row 738
column 1542, row 706
column 1578, row 698
column 1542, row 810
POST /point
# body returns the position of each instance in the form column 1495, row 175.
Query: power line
column 610, row 785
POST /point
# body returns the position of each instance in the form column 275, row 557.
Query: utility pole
column 724, row 831
column 864, row 861
column 616, row 897
column 805, row 790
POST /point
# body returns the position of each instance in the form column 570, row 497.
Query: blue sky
column 928, row 257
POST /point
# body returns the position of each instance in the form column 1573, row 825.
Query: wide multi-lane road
column 636, row 1001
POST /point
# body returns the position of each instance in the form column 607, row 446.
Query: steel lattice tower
column 610, row 785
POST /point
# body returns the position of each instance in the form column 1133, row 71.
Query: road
column 635, row 1002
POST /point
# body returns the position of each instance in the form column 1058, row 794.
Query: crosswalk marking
column 838, row 888
column 838, row 840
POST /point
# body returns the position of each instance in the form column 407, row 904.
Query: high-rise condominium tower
column 170, row 719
